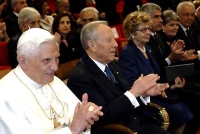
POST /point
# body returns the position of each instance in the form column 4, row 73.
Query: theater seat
column 4, row 54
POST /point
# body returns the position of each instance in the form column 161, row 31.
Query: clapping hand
column 84, row 115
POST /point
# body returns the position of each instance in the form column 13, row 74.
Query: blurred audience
column 107, row 11
column 28, row 18
column 46, row 20
column 3, row 33
column 61, row 6
column 69, row 48
column 11, row 20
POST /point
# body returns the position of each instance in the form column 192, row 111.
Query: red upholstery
column 119, row 37
column 3, row 54
column 119, row 9
column 52, row 5
column 5, row 67
column 91, row 5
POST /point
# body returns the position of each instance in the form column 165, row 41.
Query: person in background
column 87, row 15
column 69, row 49
column 11, row 20
column 136, row 59
column 99, row 76
column 107, row 11
column 37, row 102
column 196, row 24
column 28, row 18
column 61, row 6
column 3, row 33
column 46, row 20
column 77, row 5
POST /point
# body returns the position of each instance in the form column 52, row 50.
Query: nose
column 54, row 64
column 115, row 43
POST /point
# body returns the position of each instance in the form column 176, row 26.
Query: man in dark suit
column 108, row 88
column 186, row 13
column 12, row 27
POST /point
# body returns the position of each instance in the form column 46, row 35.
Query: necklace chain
column 51, row 108
column 144, row 51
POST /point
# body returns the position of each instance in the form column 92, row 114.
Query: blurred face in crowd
column 19, row 5
column 42, row 65
column 34, row 23
column 64, row 6
column 171, row 28
column 186, row 15
column 198, row 12
column 87, row 17
column 142, row 34
column 104, row 47
column 156, row 20
column 64, row 25
column 45, row 8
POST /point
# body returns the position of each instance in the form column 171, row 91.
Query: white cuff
column 168, row 61
column 132, row 98
column 198, row 54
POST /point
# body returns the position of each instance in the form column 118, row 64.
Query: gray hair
column 59, row 2
column 169, row 15
column 150, row 8
column 27, row 14
column 89, row 32
column 32, row 39
column 13, row 3
column 96, row 12
column 184, row 3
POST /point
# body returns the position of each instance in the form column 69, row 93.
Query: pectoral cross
column 55, row 122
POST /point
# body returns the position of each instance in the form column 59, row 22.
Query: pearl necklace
column 53, row 113
column 144, row 51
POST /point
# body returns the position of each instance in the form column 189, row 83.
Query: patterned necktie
column 110, row 75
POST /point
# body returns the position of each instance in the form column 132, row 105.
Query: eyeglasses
column 144, row 30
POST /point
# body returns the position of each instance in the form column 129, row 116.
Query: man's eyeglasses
column 144, row 30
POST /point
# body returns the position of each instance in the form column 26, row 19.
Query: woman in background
column 46, row 20
column 136, row 58
column 69, row 50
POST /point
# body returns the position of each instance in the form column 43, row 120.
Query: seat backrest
column 65, row 69
column 4, row 70
column 4, row 54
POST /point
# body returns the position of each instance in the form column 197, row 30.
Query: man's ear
column 92, row 45
column 22, row 61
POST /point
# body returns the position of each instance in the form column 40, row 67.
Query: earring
column 133, row 37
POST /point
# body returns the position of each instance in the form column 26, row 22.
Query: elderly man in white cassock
column 33, row 100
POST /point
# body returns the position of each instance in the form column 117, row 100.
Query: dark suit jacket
column 133, row 63
column 190, row 42
column 117, row 108
column 12, row 48
column 196, row 26
column 159, row 56
column 109, row 7
column 12, row 27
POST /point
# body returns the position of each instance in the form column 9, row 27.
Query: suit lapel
column 95, row 70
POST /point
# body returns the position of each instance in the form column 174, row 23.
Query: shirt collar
column 25, row 79
column 100, row 65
